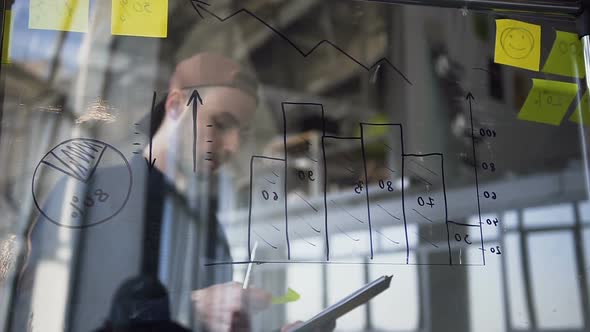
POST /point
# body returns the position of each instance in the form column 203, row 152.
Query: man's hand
column 225, row 307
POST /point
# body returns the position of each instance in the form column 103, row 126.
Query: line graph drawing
column 201, row 5
column 419, row 216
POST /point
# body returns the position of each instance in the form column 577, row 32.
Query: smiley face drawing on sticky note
column 518, row 44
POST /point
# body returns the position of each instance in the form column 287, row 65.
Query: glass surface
column 242, row 165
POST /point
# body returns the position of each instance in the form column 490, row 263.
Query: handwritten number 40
column 429, row 202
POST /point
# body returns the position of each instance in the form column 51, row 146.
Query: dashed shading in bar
column 304, row 183
column 383, row 196
column 425, row 208
column 266, row 193
column 465, row 242
column 347, row 215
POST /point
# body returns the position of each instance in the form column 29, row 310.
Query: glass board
column 159, row 155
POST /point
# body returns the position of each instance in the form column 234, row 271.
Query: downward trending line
column 303, row 53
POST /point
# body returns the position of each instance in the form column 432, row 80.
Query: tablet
column 344, row 306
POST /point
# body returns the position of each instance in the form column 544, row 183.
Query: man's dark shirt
column 123, row 247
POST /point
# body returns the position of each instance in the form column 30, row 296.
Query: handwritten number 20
column 488, row 194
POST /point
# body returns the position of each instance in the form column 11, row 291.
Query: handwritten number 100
column 485, row 132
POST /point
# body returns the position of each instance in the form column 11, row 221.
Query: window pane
column 555, row 287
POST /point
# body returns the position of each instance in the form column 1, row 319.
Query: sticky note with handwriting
column 582, row 112
column 7, row 34
column 141, row 18
column 566, row 57
column 63, row 15
column 518, row 44
column 548, row 101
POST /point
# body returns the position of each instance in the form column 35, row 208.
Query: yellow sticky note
column 548, row 101
column 63, row 15
column 142, row 18
column 290, row 296
column 518, row 44
column 582, row 111
column 6, row 36
column 566, row 57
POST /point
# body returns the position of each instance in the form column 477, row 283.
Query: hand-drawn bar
column 303, row 176
column 394, row 236
column 426, row 209
column 420, row 217
column 266, row 191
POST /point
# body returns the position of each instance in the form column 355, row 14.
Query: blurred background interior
column 412, row 65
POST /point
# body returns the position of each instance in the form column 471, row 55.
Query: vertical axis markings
column 470, row 97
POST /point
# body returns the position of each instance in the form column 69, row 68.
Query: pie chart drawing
column 81, row 182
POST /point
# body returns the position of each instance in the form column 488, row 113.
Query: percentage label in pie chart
column 81, row 183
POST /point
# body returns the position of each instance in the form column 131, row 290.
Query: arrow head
column 199, row 4
column 469, row 96
column 194, row 97
column 151, row 164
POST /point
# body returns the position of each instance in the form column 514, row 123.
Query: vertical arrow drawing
column 470, row 98
column 193, row 99
column 151, row 162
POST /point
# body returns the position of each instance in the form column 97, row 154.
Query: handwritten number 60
column 488, row 194
column 266, row 195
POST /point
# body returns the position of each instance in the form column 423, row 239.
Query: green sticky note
column 290, row 296
column 582, row 111
column 566, row 57
column 518, row 44
column 548, row 101
column 63, row 15
column 6, row 38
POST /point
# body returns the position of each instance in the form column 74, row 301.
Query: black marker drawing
column 517, row 43
column 431, row 207
column 136, row 133
column 423, row 167
column 308, row 203
column 470, row 99
column 264, row 240
column 383, row 61
column 389, row 213
column 151, row 161
column 194, row 98
column 350, row 237
column 314, row 229
column 423, row 216
column 343, row 209
column 302, row 238
column 385, row 236
column 84, row 193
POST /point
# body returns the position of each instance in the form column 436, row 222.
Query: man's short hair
column 202, row 71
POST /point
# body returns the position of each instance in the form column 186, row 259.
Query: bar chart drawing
column 324, row 222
